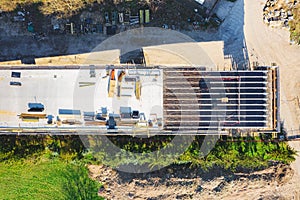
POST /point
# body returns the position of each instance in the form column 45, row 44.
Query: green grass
column 49, row 179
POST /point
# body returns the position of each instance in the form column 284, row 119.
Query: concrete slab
column 185, row 54
column 76, row 89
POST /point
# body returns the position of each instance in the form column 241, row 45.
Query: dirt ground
column 181, row 182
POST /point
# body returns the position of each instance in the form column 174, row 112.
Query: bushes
column 295, row 25
column 13, row 147
column 10, row 5
column 61, row 8
column 244, row 153
column 228, row 154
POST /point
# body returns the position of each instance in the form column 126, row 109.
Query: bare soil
column 181, row 182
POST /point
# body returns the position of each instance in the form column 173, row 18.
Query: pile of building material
column 278, row 13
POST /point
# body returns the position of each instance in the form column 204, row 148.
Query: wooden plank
column 33, row 115
column 112, row 85
column 138, row 89
column 30, row 119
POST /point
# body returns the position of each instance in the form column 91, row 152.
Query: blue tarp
column 69, row 112
column 89, row 114
column 36, row 105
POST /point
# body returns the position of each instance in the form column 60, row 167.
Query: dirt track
column 267, row 45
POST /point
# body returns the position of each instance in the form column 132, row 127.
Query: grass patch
column 46, row 179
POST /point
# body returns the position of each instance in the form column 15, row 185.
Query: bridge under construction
column 138, row 100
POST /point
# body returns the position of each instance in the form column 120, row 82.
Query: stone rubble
column 278, row 13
